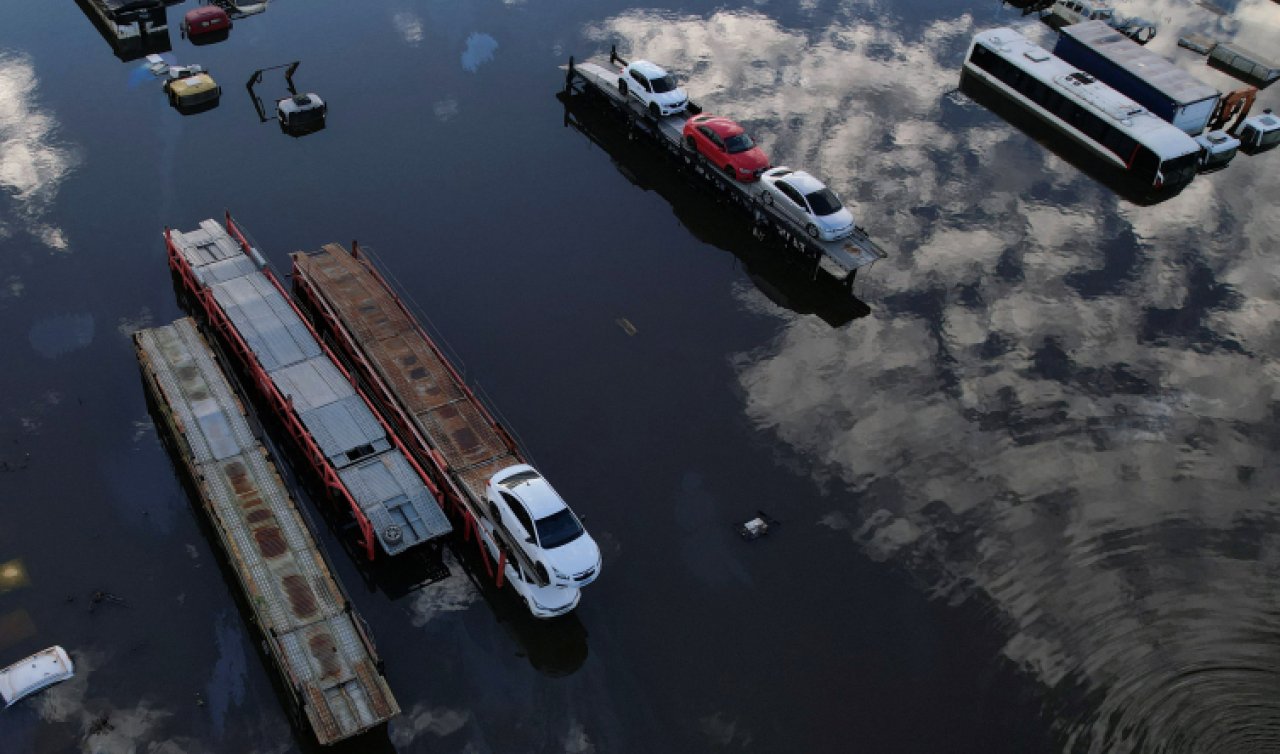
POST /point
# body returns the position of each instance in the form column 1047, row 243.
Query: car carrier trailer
column 841, row 259
column 314, row 638
column 362, row 464
column 443, row 422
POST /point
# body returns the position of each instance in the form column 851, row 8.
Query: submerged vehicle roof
column 1156, row 70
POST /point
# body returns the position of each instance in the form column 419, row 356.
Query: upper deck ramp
column 231, row 281
column 313, row 636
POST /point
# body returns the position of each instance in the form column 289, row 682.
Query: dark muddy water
column 1026, row 482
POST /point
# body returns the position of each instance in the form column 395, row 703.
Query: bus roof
column 1156, row 70
column 1128, row 116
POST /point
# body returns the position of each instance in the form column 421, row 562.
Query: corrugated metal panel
column 404, row 502
column 287, row 584
column 343, row 429
column 227, row 269
column 312, row 383
column 266, row 321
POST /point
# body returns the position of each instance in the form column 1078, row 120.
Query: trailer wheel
column 767, row 198
column 622, row 87
column 728, row 169
column 493, row 512
column 812, row 230
column 690, row 144
column 654, row 111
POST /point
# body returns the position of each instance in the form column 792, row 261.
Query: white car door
column 792, row 202
column 639, row 87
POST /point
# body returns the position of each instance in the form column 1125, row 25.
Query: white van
column 1075, row 11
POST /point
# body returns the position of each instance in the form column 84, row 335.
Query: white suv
column 546, row 529
column 654, row 87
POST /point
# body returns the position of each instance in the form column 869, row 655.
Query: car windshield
column 663, row 84
column 823, row 202
column 739, row 143
column 558, row 529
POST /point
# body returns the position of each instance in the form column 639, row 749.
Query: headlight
column 744, row 171
column 557, row 572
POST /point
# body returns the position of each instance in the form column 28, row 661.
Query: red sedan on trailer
column 727, row 145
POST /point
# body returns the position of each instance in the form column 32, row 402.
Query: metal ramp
column 326, row 661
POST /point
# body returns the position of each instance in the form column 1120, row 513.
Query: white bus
column 1107, row 123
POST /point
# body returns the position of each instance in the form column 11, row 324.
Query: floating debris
column 626, row 326
column 758, row 526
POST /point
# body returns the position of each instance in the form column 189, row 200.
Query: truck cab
column 1261, row 132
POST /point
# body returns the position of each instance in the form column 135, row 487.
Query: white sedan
column 808, row 202
column 654, row 87
column 546, row 529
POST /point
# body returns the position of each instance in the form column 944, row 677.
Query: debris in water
column 626, row 326
column 758, row 526
column 100, row 596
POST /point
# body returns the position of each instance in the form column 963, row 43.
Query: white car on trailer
column 656, row 89
column 543, row 527
column 808, row 202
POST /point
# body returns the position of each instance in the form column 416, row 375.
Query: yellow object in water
column 193, row 90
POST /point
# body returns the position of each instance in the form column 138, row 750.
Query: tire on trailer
column 812, row 230
column 689, row 143
column 622, row 88
column 654, row 111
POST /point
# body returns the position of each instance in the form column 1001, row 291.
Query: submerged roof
column 1154, row 69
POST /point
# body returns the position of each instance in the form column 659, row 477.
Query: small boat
column 39, row 671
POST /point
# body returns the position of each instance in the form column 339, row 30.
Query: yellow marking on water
column 13, row 575
column 16, row 626
column 626, row 326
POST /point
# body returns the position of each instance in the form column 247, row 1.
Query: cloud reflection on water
column 32, row 163
column 1063, row 407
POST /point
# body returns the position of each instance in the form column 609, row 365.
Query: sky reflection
column 1062, row 405
column 32, row 162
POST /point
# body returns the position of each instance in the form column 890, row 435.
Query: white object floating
column 29, row 675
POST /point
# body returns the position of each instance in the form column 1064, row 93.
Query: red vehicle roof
column 206, row 13
column 721, row 126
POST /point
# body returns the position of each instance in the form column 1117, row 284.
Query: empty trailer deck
column 428, row 401
column 327, row 662
column 359, row 459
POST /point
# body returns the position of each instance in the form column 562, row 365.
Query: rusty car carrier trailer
column 316, row 641
column 364, row 467
column 442, row 421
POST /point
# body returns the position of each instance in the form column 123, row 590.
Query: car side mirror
column 529, row 539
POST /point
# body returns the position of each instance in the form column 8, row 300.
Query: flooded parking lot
column 1021, row 477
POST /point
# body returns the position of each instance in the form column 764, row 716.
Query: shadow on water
column 788, row 281
column 130, row 48
column 1042, row 133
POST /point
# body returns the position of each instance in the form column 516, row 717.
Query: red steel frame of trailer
column 440, row 467
column 282, row 406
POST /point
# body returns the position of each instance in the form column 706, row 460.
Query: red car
column 727, row 146
column 209, row 19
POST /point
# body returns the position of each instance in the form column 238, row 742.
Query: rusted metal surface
column 418, row 376
column 312, row 634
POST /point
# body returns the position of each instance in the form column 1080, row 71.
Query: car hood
column 575, row 557
column 671, row 98
column 753, row 159
column 836, row 221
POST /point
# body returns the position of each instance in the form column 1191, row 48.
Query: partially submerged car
column 301, row 113
column 31, row 674
column 206, row 23
column 543, row 526
column 656, row 89
column 192, row 88
column 807, row 202
column 727, row 145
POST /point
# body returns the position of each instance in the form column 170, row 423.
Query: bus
column 1108, row 124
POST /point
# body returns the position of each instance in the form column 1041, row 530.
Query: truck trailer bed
column 326, row 661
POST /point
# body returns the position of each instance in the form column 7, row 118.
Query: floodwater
column 1026, row 481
